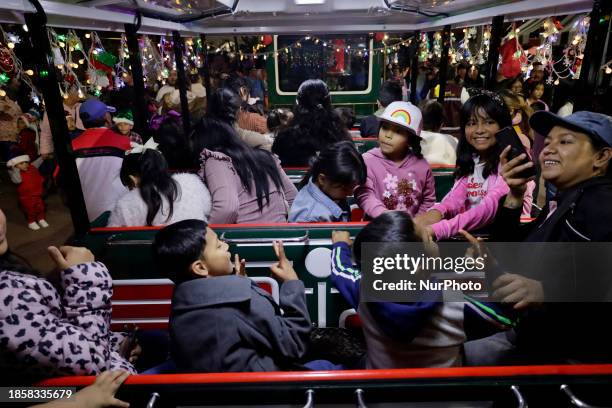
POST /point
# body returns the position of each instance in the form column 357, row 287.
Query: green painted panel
column 128, row 255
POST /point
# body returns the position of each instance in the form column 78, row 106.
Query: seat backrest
column 146, row 302
column 127, row 253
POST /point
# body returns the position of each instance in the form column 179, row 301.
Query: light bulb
column 608, row 70
column 11, row 45
column 557, row 82
column 25, row 28
column 87, row 35
column 29, row 72
column 61, row 44
column 81, row 61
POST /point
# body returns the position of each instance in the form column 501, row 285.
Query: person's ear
column 603, row 158
column 321, row 179
column 135, row 180
column 199, row 268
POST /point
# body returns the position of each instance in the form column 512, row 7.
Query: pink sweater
column 232, row 203
column 458, row 212
column 408, row 186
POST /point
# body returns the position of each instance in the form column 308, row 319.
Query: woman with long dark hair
column 156, row 197
column 315, row 125
column 46, row 332
column 247, row 184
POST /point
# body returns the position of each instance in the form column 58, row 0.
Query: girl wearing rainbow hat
column 399, row 178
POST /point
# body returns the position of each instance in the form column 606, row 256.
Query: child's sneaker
column 33, row 226
column 43, row 223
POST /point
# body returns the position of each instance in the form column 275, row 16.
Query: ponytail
column 155, row 181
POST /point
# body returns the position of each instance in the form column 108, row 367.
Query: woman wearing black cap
column 561, row 306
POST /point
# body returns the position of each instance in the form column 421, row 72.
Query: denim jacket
column 313, row 205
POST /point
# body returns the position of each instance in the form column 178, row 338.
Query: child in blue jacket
column 429, row 333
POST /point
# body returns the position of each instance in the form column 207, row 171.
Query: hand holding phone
column 508, row 137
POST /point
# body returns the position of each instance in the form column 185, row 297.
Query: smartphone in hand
column 508, row 137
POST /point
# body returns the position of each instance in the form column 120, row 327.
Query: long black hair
column 155, row 181
column 494, row 106
column 314, row 116
column 174, row 144
column 391, row 227
column 252, row 164
column 341, row 163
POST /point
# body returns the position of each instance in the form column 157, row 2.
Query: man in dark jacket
column 221, row 321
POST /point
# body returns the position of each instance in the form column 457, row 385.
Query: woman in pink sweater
column 473, row 201
column 247, row 184
column 399, row 178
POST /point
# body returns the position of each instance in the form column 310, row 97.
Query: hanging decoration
column 10, row 65
column 568, row 65
column 424, row 48
column 153, row 60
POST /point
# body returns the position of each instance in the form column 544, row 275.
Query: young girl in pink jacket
column 399, row 178
column 472, row 202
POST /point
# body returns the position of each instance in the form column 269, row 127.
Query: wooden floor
column 32, row 245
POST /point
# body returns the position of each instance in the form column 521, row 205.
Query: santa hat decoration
column 124, row 117
column 18, row 158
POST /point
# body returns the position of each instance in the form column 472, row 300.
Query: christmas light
column 87, row 35
column 25, row 28
column 29, row 72
column 11, row 45
column 81, row 61
column 2, row 92
column 608, row 70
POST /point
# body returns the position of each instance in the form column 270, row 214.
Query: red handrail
column 254, row 225
column 348, row 375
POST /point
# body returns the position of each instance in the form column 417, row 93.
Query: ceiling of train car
column 291, row 12
column 287, row 16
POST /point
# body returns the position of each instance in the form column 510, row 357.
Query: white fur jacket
column 193, row 202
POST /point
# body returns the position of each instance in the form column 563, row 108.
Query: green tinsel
column 106, row 58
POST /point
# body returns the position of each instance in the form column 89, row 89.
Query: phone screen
column 508, row 137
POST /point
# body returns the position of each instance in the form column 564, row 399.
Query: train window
column 344, row 62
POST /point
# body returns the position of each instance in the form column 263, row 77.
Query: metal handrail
column 302, row 238
column 113, row 241
column 360, row 401
column 519, row 397
column 152, row 400
column 575, row 400
column 309, row 399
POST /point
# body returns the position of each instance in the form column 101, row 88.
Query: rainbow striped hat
column 405, row 115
